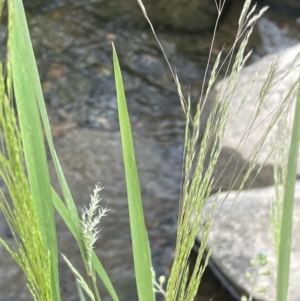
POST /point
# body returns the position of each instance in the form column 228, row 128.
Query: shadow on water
column 73, row 50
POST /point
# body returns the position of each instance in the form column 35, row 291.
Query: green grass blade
column 140, row 243
column 33, row 77
column 69, row 214
column 63, row 212
column 32, row 84
column 80, row 292
column 31, row 132
column 283, row 269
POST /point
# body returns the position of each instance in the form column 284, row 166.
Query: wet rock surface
column 180, row 15
column 191, row 16
column 77, row 74
column 242, row 230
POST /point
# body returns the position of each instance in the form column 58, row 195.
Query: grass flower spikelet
column 91, row 218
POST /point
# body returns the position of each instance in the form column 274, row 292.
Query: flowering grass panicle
column 91, row 218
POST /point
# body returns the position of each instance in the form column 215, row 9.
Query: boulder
column 241, row 231
column 286, row 74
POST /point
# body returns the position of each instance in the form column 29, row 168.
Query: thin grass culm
column 198, row 183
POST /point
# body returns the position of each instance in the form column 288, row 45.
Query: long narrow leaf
column 140, row 243
column 31, row 132
column 32, row 77
column 283, row 269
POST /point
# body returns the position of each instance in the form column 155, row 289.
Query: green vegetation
column 285, row 231
column 140, row 243
column 29, row 207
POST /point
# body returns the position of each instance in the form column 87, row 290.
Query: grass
column 139, row 237
column 32, row 200
column 287, row 209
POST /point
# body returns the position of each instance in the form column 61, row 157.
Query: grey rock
column 273, row 38
column 50, row 32
column 286, row 74
column 241, row 230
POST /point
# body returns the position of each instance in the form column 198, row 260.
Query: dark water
column 73, row 50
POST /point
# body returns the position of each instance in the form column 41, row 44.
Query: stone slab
column 287, row 72
column 241, row 230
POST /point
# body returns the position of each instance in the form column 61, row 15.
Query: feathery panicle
column 243, row 14
column 257, row 16
column 91, row 218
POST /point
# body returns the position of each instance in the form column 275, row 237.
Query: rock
column 286, row 74
column 193, row 15
column 241, row 231
column 231, row 165
column 272, row 38
column 190, row 15
column 50, row 32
